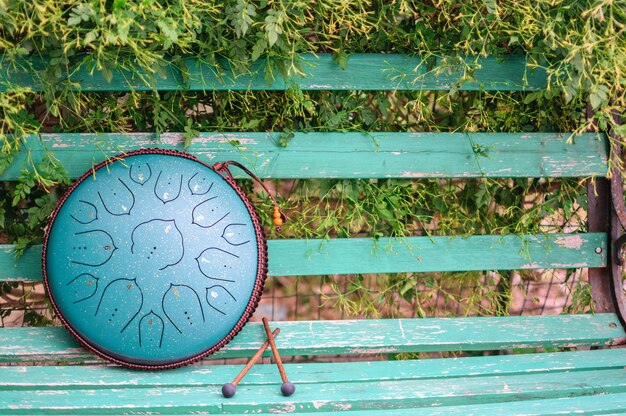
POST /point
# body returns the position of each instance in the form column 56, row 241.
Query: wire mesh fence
column 355, row 296
column 488, row 293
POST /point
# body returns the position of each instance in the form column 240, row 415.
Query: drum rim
column 257, row 289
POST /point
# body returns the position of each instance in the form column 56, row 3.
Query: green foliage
column 26, row 205
column 581, row 45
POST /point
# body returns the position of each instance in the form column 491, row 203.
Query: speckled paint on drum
column 155, row 260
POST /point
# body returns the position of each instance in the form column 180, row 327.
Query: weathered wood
column 321, row 396
column 461, row 391
column 389, row 255
column 363, row 72
column 303, row 338
column 599, row 209
column 595, row 404
column 101, row 377
column 27, row 267
column 586, row 381
column 332, row 155
column 430, row 254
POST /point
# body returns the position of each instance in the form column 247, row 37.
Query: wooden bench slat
column 492, row 389
column 613, row 404
column 435, row 254
column 100, row 377
column 376, row 72
column 361, row 337
column 323, row 396
column 389, row 255
column 333, row 155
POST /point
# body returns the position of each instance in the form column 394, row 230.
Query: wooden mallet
column 287, row 389
column 229, row 389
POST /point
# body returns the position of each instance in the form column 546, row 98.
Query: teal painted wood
column 332, row 155
column 101, row 377
column 389, row 255
column 25, row 268
column 430, row 254
column 449, row 392
column 302, row 338
column 363, row 72
column 542, row 155
column 41, row 344
column 596, row 404
column 322, row 396
column 606, row 404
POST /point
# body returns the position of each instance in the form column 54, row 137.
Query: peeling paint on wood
column 361, row 337
column 381, row 350
column 325, row 396
column 363, row 72
column 572, row 265
column 381, row 154
column 60, row 145
column 389, row 255
column 547, row 382
column 570, row 241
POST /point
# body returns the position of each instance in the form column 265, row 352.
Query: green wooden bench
column 576, row 372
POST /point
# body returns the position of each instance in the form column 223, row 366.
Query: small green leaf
column 482, row 196
column 258, row 49
column 533, row 96
column 341, row 59
column 325, row 186
column 384, row 213
column 73, row 20
column 107, row 74
column 595, row 100
column 285, row 138
column 621, row 130
column 252, row 124
column 190, row 133
column 406, row 288
column 90, row 37
column 272, row 37
column 492, row 6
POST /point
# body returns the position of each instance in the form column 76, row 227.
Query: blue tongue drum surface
column 156, row 260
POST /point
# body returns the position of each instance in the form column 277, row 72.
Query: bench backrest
column 356, row 155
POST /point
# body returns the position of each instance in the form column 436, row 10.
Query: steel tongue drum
column 155, row 259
